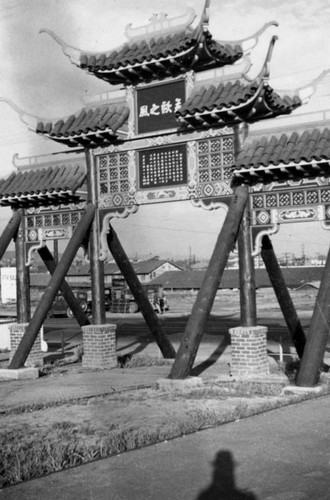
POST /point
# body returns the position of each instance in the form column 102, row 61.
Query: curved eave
column 281, row 172
column 247, row 106
column 165, row 54
column 90, row 128
column 40, row 200
column 49, row 186
column 288, row 157
column 89, row 140
column 198, row 54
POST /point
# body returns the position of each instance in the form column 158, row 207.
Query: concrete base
column 294, row 389
column 36, row 354
column 187, row 384
column 19, row 374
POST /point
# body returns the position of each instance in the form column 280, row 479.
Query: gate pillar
column 100, row 348
column 249, row 351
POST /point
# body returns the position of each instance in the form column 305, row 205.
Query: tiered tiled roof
column 90, row 127
column 284, row 157
column 164, row 48
column 49, row 186
column 161, row 57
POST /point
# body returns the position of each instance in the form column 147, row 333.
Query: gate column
column 248, row 341
column 99, row 338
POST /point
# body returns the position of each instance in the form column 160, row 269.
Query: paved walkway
column 280, row 455
column 76, row 382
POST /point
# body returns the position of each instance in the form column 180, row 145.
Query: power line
column 173, row 229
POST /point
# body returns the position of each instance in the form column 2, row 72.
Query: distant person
column 159, row 300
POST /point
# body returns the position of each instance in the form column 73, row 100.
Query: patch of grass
column 142, row 360
column 29, row 452
column 25, row 456
column 236, row 389
column 64, row 425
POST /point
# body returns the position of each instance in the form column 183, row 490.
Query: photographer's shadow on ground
column 223, row 481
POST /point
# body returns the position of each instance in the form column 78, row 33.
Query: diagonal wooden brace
column 10, row 231
column 283, row 296
column 194, row 330
column 318, row 334
column 53, row 286
column 65, row 288
column 139, row 295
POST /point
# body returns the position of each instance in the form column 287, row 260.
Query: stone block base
column 249, row 351
column 35, row 358
column 100, row 346
column 19, row 374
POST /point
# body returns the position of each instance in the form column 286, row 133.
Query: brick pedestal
column 100, row 349
column 35, row 358
column 249, row 351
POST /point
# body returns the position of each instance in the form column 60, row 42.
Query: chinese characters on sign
column 163, row 166
column 156, row 106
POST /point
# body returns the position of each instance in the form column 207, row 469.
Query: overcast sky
column 41, row 80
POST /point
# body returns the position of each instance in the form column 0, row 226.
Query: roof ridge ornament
column 265, row 70
column 204, row 22
column 159, row 24
column 251, row 41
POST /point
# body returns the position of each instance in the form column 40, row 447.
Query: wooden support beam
column 65, row 288
column 247, row 287
column 96, row 265
column 246, row 263
column 23, row 304
column 283, row 296
column 140, row 295
column 10, row 231
column 194, row 330
column 52, row 288
column 318, row 334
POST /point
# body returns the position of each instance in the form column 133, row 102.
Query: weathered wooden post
column 56, row 251
column 247, row 286
column 23, row 306
column 318, row 334
column 52, row 288
column 283, row 296
column 96, row 265
column 248, row 341
column 194, row 330
column 139, row 295
column 65, row 288
column 246, row 263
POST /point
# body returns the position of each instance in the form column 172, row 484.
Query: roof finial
column 161, row 23
column 265, row 71
column 206, row 14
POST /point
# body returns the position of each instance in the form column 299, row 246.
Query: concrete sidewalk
column 72, row 381
column 280, row 455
